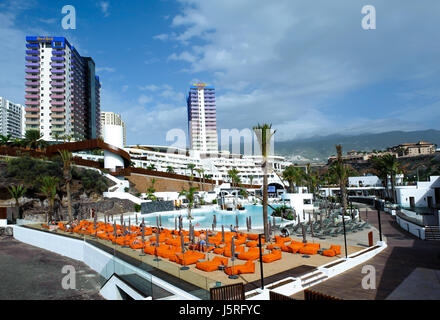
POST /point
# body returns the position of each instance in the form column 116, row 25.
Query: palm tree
column 5, row 140
column 170, row 169
column 66, row 157
column 49, row 189
column 32, row 138
column 56, row 136
column 294, row 176
column 151, row 166
column 251, row 179
column 17, row 192
column 264, row 135
column 235, row 178
column 392, row 167
column 201, row 172
column 342, row 174
column 191, row 166
column 189, row 195
column 151, row 190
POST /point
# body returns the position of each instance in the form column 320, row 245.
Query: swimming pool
column 203, row 218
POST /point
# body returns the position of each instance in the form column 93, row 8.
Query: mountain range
column 318, row 149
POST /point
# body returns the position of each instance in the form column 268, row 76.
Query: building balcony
column 58, row 71
column 33, row 116
column 57, row 103
column 32, row 123
column 32, row 45
column 32, row 96
column 32, row 70
column 57, row 96
column 58, row 59
column 32, row 83
column 32, row 103
column 32, row 58
column 58, row 116
column 57, row 90
column 62, row 52
column 32, row 51
column 32, row 90
column 57, row 109
column 57, row 130
column 57, row 84
column 53, row 64
column 32, row 64
column 32, row 77
column 58, row 77
column 32, row 109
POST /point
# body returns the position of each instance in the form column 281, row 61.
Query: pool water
column 203, row 218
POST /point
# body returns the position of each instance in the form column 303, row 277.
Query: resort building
column 414, row 149
column 356, row 157
column 425, row 194
column 11, row 118
column 202, row 126
column 62, row 90
column 111, row 118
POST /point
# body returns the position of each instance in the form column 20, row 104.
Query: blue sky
column 307, row 67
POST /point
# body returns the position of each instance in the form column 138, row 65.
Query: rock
column 9, row 231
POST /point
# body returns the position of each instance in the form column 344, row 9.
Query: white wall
column 113, row 135
column 420, row 192
column 362, row 181
column 297, row 201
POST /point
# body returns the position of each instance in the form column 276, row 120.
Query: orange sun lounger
column 251, row 254
column 248, row 267
column 212, row 265
column 332, row 251
column 189, row 257
column 273, row 256
column 227, row 252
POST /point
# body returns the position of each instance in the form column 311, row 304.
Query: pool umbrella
column 247, row 224
column 303, row 229
column 236, row 222
column 175, row 223
column 213, row 228
column 129, row 225
column 215, row 221
column 207, row 239
column 320, row 218
column 180, row 224
column 232, row 258
column 250, row 223
column 136, row 219
column 223, row 233
column 270, row 228
column 304, row 215
column 157, row 221
column 160, row 220
column 112, row 218
column 311, row 229
column 94, row 221
column 122, row 219
column 310, row 218
column 182, row 243
column 273, row 225
column 114, row 228
column 143, row 239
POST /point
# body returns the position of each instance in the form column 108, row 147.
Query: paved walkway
column 404, row 254
column 31, row 273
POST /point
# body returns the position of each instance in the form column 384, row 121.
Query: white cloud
column 104, row 8
column 143, row 99
column 287, row 62
column 162, row 37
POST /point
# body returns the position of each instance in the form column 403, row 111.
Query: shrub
column 137, row 207
column 214, row 201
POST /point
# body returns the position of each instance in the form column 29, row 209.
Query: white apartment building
column 111, row 118
column 11, row 118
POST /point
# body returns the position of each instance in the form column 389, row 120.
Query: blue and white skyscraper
column 202, row 123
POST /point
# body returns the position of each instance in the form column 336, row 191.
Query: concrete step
column 314, row 281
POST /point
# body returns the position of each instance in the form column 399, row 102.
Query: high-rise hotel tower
column 62, row 91
column 202, row 125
